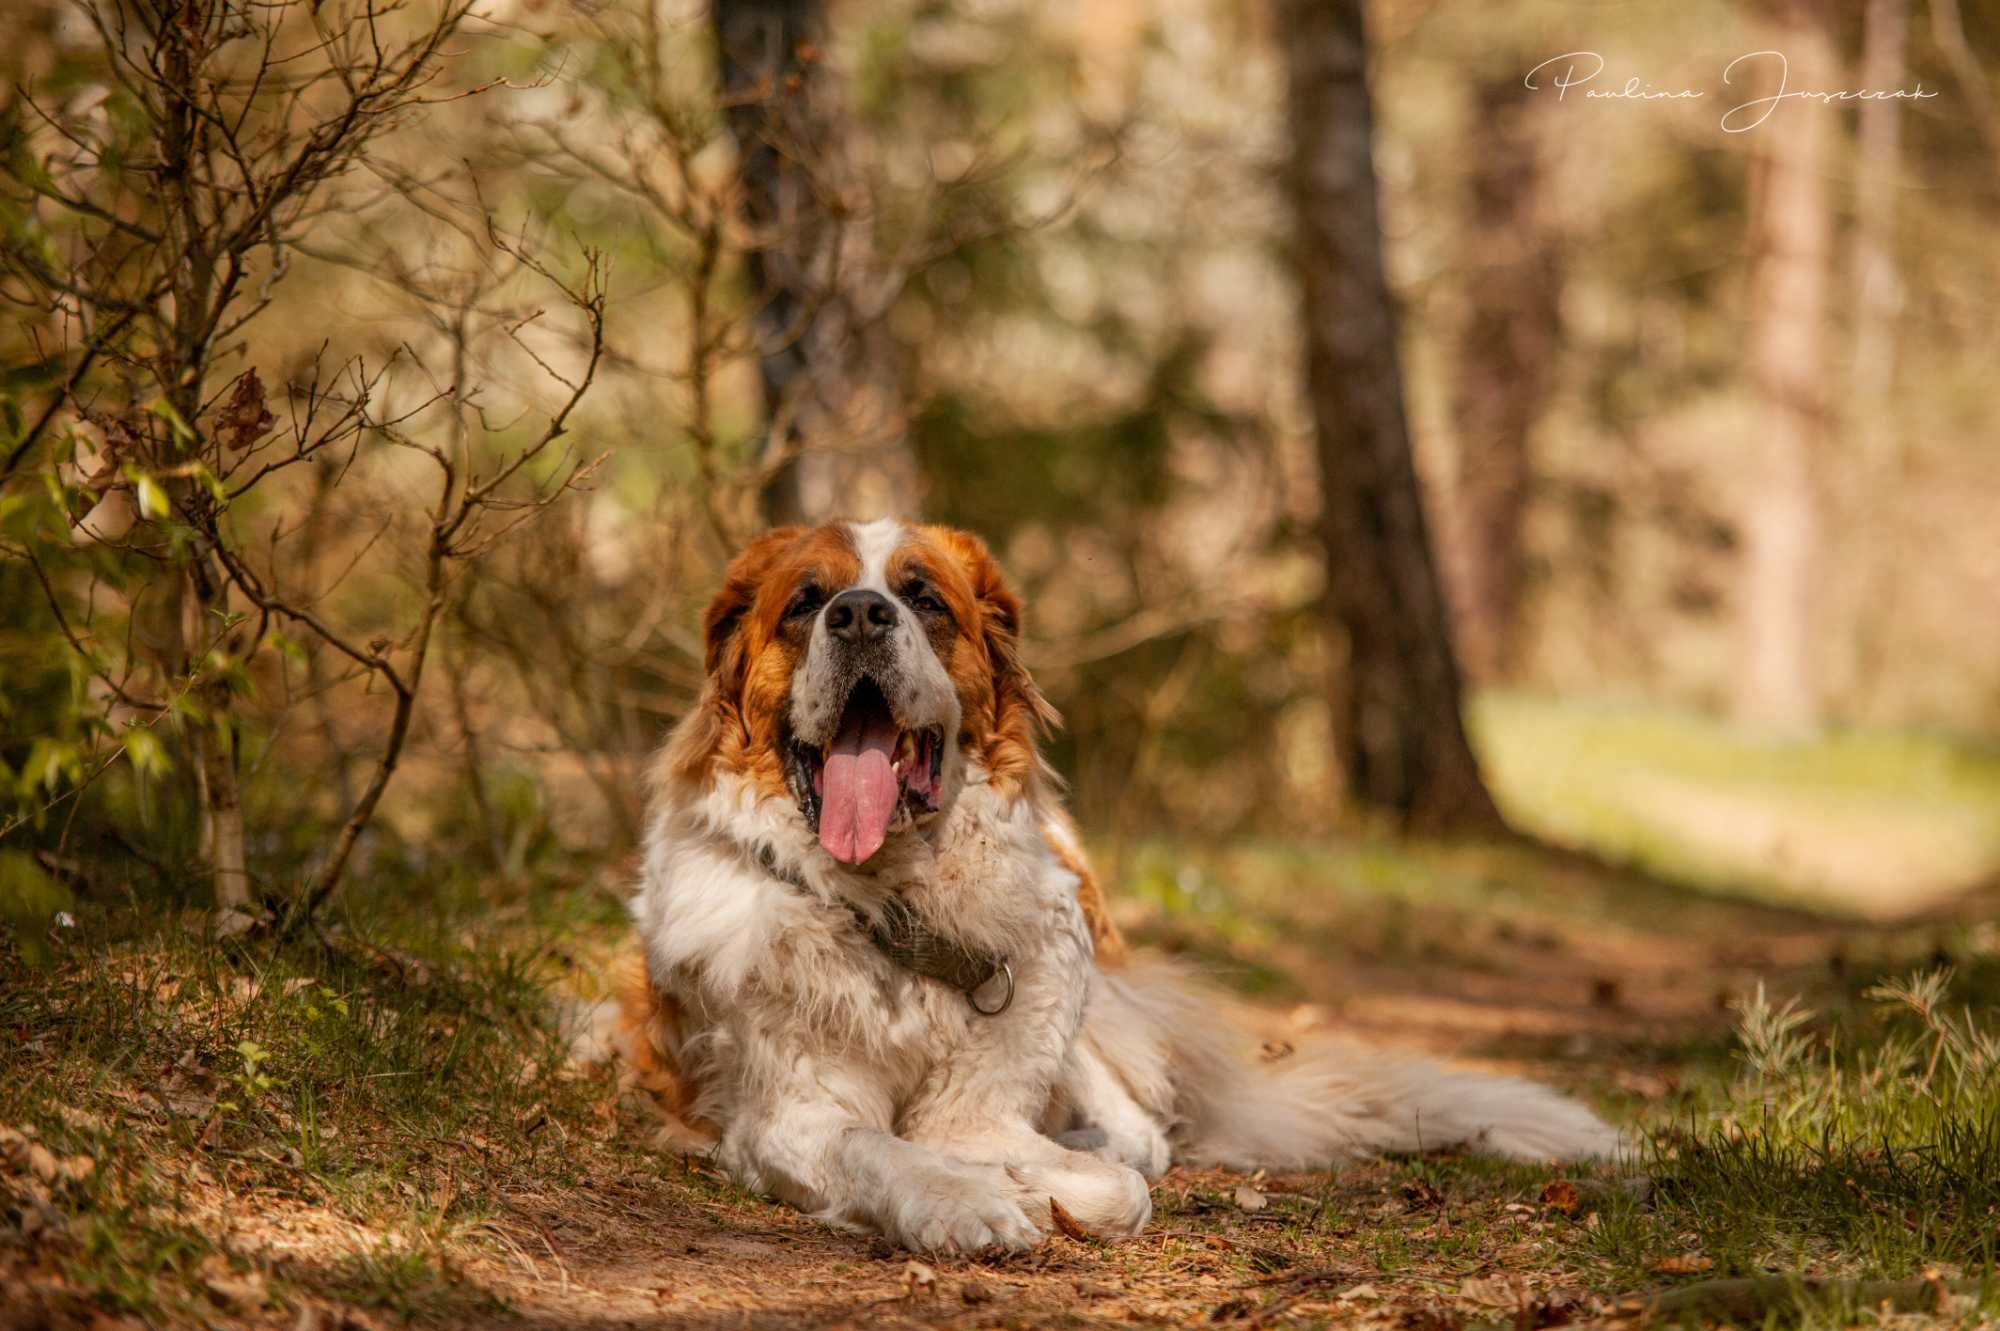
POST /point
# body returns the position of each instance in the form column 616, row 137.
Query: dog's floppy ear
column 725, row 657
column 723, row 653
column 1020, row 710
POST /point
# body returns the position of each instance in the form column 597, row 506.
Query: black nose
column 860, row 616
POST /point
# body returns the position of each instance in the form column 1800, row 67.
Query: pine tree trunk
column 1399, row 737
column 1504, row 355
column 831, row 384
column 1790, row 241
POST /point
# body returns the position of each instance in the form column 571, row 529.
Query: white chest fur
column 765, row 969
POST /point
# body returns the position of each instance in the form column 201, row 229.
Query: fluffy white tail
column 1170, row 1042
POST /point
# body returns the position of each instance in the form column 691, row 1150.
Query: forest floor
column 386, row 1131
column 194, row 1133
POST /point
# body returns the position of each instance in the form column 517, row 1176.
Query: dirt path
column 1585, row 1002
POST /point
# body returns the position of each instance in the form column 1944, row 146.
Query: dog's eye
column 805, row 601
column 920, row 599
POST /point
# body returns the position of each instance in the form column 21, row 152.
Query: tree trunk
column 182, row 365
column 1789, row 244
column 832, row 398
column 1878, row 297
column 1504, row 355
column 1878, row 308
column 1398, row 734
column 222, row 814
column 212, row 737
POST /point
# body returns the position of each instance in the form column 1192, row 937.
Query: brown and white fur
column 775, row 1034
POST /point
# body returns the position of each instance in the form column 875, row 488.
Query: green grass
column 1867, row 1148
column 1863, row 1150
column 1859, row 822
column 394, row 1084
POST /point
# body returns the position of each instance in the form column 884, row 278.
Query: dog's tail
column 1167, row 1039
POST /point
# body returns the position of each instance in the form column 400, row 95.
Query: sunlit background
column 1739, row 634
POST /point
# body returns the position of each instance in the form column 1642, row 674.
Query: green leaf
column 29, row 900
column 287, row 646
column 48, row 761
column 213, row 484
column 183, row 432
column 152, row 499
column 147, row 754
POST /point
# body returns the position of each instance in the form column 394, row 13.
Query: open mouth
column 873, row 777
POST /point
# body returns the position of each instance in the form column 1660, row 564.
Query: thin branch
column 98, row 341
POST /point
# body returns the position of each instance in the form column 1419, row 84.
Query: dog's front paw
column 956, row 1213
column 1103, row 1197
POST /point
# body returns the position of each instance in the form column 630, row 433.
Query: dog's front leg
column 978, row 1112
column 841, row 1164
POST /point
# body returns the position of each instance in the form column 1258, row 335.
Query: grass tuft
column 1868, row 1150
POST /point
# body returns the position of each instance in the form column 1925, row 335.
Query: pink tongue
column 858, row 797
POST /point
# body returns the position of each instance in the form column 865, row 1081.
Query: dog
column 878, row 980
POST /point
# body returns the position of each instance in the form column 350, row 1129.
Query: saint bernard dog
column 878, row 980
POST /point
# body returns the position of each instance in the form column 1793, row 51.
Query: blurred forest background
column 386, row 386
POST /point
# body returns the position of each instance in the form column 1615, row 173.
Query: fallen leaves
column 1067, row 1224
column 1495, row 1291
column 1233, row 1310
column 1562, row 1196
column 13, row 1148
column 1419, row 1195
column 22, row 1153
column 1684, row 1264
column 242, row 1290
column 1250, row 1199
column 83, row 1120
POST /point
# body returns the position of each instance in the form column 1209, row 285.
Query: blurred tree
column 1974, row 82
column 1398, row 732
column 1507, row 357
column 833, row 406
column 1790, row 244
column 1877, row 288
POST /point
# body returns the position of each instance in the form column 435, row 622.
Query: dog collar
column 902, row 936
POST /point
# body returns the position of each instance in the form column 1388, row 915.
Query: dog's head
column 856, row 669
